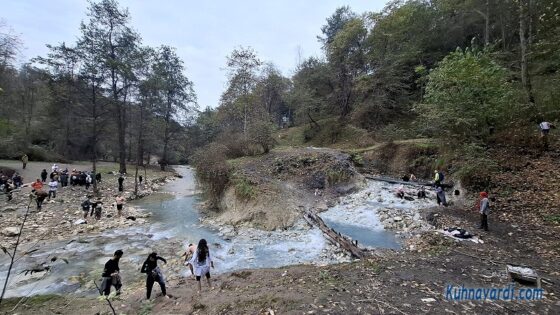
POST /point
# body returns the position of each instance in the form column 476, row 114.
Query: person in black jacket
column 44, row 175
column 153, row 274
column 111, row 275
column 121, row 181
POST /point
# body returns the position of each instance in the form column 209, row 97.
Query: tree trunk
column 525, row 79
column 163, row 162
column 94, row 138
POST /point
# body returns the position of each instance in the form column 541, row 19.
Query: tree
column 116, row 45
column 176, row 93
column 345, row 53
column 467, row 95
column 243, row 66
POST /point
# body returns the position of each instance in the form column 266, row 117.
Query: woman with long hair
column 202, row 261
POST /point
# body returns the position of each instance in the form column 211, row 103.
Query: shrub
column 260, row 134
column 467, row 95
column 212, row 171
column 244, row 189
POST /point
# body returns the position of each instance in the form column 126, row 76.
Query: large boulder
column 10, row 231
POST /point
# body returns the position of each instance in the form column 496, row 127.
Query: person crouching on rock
column 111, row 276
column 153, row 274
column 202, row 261
column 191, row 249
column 399, row 192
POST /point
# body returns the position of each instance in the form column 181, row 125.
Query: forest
column 466, row 72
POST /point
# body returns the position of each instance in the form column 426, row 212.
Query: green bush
column 467, row 96
column 244, row 189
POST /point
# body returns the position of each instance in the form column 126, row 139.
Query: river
column 175, row 222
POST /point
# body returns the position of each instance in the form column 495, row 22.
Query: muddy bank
column 270, row 191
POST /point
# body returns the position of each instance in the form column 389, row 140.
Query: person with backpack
column 202, row 261
column 111, row 275
column 438, row 178
column 153, row 274
column 484, row 209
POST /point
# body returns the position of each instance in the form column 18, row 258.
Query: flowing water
column 175, row 222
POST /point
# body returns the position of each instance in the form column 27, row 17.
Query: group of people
column 483, row 203
column 10, row 183
column 197, row 258
column 74, row 178
column 95, row 207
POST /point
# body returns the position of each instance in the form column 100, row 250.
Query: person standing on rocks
column 88, row 181
column 86, row 205
column 140, row 178
column 53, row 186
column 119, row 201
column 153, row 274
column 64, row 179
column 202, row 261
column 484, row 209
column 440, row 196
column 24, row 160
column 44, row 175
column 37, row 185
column 98, row 208
column 40, row 196
column 438, row 178
column 98, row 177
column 121, row 181
column 111, row 275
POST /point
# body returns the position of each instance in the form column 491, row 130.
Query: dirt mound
column 269, row 192
column 398, row 159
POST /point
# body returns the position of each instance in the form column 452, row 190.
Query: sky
column 204, row 32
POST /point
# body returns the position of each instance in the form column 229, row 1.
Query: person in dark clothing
column 111, row 275
column 153, row 274
column 86, row 205
column 140, row 178
column 40, row 196
column 64, row 179
column 98, row 177
column 121, row 181
column 44, row 175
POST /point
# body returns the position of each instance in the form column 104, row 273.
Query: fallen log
column 402, row 182
column 312, row 218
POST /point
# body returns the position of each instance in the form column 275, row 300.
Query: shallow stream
column 175, row 222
